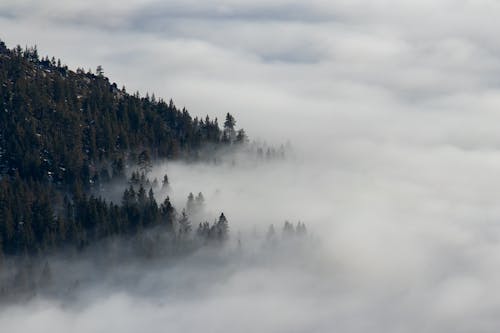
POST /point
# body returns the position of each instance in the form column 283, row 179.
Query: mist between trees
column 136, row 227
column 83, row 180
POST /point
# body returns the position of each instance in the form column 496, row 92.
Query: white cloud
column 393, row 109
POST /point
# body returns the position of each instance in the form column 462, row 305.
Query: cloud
column 392, row 109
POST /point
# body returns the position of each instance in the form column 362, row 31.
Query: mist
column 391, row 109
column 389, row 248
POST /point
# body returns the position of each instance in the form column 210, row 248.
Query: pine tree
column 301, row 229
column 222, row 228
column 167, row 213
column 288, row 230
column 99, row 71
column 229, row 131
column 184, row 228
column 118, row 168
column 165, row 183
column 141, row 196
column 144, row 162
column 199, row 202
column 241, row 137
column 190, row 205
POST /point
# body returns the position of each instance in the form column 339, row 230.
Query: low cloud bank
column 391, row 108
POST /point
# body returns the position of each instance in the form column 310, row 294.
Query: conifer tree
column 190, row 205
column 222, row 228
column 144, row 162
column 184, row 228
column 229, row 131
column 165, row 183
column 288, row 229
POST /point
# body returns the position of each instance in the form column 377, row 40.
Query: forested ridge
column 64, row 133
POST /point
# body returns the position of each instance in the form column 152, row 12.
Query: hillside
column 64, row 133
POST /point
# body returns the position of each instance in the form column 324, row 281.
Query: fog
column 387, row 251
column 392, row 111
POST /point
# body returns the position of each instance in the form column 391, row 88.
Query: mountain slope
column 63, row 133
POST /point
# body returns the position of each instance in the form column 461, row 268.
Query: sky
column 392, row 110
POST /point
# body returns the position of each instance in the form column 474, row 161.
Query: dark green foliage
column 65, row 134
column 228, row 135
column 144, row 162
column 31, row 224
column 59, row 125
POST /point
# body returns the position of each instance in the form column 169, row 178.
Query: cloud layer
column 392, row 108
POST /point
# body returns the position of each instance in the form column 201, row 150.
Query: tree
column 301, row 229
column 184, row 228
column 288, row 229
column 229, row 132
column 167, row 213
column 99, row 71
column 241, row 136
column 118, row 168
column 151, row 197
column 203, row 231
column 141, row 196
column 165, row 183
column 152, row 211
column 222, row 228
column 144, row 162
column 199, row 202
column 104, row 175
column 230, row 122
column 190, row 205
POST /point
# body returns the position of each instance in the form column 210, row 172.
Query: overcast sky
column 337, row 61
column 393, row 109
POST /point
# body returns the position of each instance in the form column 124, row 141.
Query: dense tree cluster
column 289, row 231
column 64, row 134
column 28, row 276
column 218, row 231
column 66, row 127
column 86, row 219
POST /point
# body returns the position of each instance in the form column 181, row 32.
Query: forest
column 65, row 135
